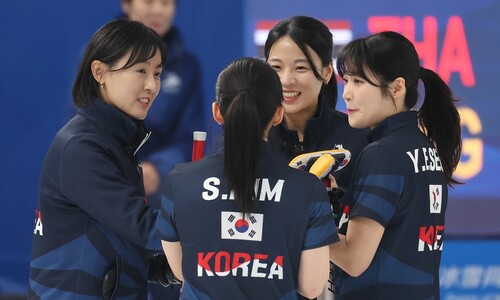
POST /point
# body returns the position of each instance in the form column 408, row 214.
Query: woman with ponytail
column 392, row 226
column 241, row 224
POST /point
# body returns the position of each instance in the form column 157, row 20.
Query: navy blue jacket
column 91, row 211
column 226, row 256
column 398, row 182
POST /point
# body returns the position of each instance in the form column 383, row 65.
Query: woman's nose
column 287, row 78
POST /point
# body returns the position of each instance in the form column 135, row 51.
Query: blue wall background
column 42, row 42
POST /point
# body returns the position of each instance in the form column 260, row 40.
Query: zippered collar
column 130, row 133
column 393, row 123
column 315, row 128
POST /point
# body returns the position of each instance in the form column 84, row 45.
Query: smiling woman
column 93, row 222
column 131, row 90
column 177, row 113
column 300, row 50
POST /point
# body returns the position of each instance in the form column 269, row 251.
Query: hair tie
column 422, row 72
column 245, row 90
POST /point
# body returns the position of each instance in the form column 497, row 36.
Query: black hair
column 248, row 92
column 109, row 44
column 306, row 31
column 389, row 55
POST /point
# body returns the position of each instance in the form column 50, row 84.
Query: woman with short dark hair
column 94, row 226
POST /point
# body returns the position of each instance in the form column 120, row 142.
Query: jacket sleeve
column 92, row 177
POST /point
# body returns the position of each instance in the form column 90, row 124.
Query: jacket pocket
column 111, row 280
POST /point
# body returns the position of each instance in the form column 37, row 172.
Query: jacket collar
column 130, row 133
column 314, row 127
column 393, row 123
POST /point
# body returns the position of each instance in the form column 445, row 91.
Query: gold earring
column 101, row 84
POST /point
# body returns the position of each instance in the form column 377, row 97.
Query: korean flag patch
column 435, row 198
column 235, row 227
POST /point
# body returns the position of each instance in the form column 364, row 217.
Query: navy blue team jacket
column 398, row 182
column 228, row 257
column 91, row 215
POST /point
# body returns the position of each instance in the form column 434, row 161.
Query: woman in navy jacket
column 180, row 108
column 300, row 50
column 393, row 218
column 241, row 224
column 93, row 225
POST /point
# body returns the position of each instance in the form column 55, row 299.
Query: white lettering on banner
column 470, row 277
column 492, row 276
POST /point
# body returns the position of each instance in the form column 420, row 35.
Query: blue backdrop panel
column 470, row 270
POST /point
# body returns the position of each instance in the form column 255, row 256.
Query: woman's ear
column 328, row 73
column 98, row 70
column 125, row 5
column 278, row 115
column 398, row 88
column 216, row 113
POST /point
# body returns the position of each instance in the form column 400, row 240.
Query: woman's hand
column 333, row 182
column 151, row 178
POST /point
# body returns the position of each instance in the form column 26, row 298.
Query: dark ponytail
column 241, row 159
column 441, row 120
column 248, row 92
